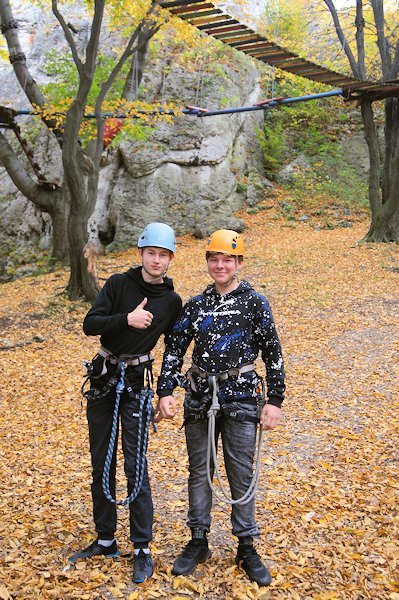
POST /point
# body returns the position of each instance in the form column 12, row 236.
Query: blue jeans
column 238, row 441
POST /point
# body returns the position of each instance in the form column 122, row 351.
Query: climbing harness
column 199, row 407
column 145, row 413
column 108, row 357
column 129, row 360
column 221, row 493
column 235, row 372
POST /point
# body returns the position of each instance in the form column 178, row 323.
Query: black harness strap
column 238, row 414
column 134, row 361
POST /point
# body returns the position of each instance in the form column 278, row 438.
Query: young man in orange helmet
column 230, row 324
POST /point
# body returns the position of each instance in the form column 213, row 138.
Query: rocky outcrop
column 286, row 175
column 187, row 173
column 356, row 152
column 20, row 222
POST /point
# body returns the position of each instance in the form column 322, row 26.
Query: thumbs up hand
column 139, row 317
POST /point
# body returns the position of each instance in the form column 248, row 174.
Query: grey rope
column 146, row 396
column 221, row 493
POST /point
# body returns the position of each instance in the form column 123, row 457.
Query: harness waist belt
column 133, row 361
column 220, row 376
column 225, row 374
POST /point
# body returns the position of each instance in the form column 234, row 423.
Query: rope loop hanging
column 145, row 408
column 221, row 493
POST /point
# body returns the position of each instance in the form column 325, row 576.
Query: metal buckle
column 88, row 366
column 239, row 415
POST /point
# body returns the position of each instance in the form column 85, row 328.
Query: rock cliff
column 187, row 173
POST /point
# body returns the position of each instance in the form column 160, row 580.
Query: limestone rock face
column 20, row 221
column 357, row 153
column 187, row 173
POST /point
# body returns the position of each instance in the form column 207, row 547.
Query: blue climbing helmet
column 159, row 235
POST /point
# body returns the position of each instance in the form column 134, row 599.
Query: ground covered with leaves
column 329, row 489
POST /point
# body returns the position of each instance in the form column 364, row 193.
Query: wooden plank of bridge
column 214, row 22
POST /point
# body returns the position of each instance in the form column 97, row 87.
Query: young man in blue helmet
column 130, row 313
column 230, row 324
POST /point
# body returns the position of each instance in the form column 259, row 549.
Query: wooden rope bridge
column 206, row 17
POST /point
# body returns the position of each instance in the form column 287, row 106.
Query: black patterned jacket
column 228, row 331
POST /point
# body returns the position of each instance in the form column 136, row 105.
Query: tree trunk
column 384, row 174
column 371, row 134
column 81, row 281
column 59, row 219
column 137, row 66
column 46, row 200
column 384, row 166
column 385, row 224
column 77, row 171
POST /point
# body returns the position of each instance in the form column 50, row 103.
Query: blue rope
column 146, row 396
column 195, row 111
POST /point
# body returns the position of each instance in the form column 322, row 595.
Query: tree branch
column 40, row 197
column 129, row 50
column 74, row 168
column 342, row 38
column 22, row 73
column 92, row 46
column 130, row 89
column 105, row 87
column 378, row 11
column 68, row 36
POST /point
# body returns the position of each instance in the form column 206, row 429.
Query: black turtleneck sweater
column 119, row 296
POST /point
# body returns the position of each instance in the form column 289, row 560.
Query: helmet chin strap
column 235, row 276
column 230, row 281
column 154, row 279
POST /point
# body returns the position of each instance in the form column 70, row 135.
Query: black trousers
column 99, row 416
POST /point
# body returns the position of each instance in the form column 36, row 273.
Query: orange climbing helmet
column 226, row 241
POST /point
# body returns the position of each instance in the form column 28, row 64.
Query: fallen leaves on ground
column 328, row 495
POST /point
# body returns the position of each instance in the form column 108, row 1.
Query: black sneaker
column 250, row 561
column 195, row 552
column 143, row 567
column 95, row 549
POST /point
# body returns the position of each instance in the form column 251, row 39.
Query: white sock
column 106, row 543
column 145, row 550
